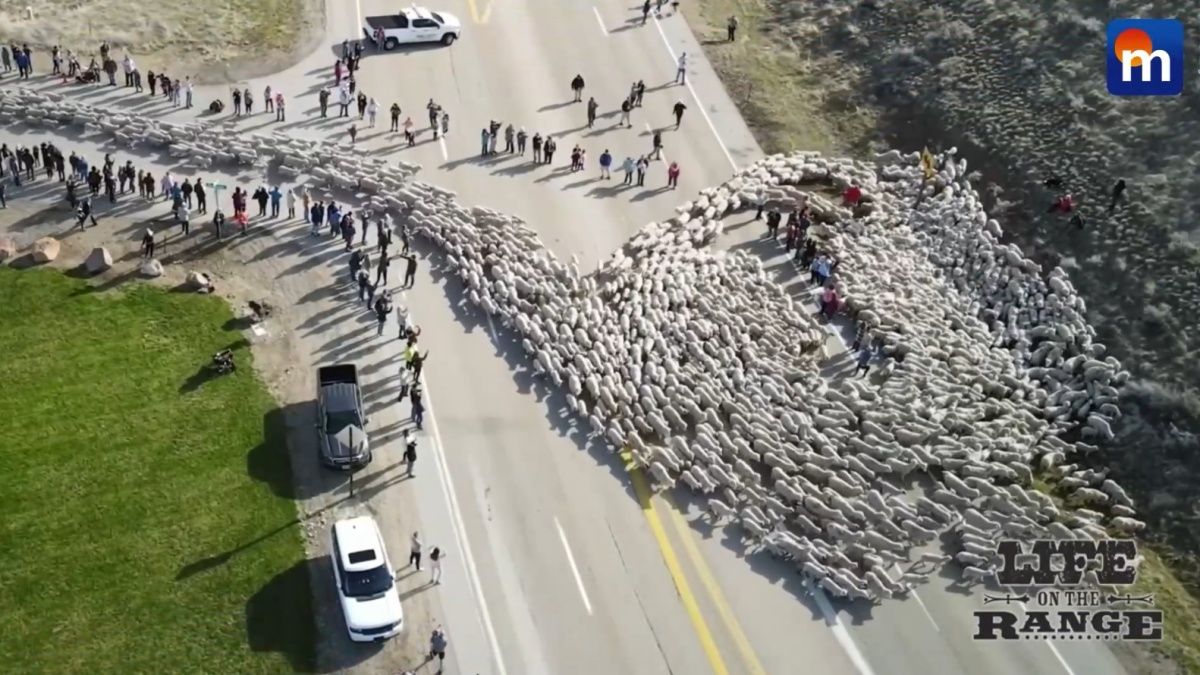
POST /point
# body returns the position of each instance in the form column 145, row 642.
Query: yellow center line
column 749, row 657
column 473, row 6
column 642, row 490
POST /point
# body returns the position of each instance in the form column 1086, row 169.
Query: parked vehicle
column 412, row 26
column 341, row 422
column 366, row 581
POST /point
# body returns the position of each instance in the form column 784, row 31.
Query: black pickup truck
column 341, row 420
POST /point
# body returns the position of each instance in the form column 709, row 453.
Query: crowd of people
column 822, row 266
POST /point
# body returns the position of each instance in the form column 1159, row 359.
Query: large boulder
column 201, row 282
column 99, row 260
column 151, row 268
column 45, row 249
column 8, row 249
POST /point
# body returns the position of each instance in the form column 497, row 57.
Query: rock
column 8, row 249
column 200, row 282
column 151, row 268
column 45, row 249
column 99, row 260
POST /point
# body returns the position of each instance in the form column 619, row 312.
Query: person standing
column 418, row 407
column 414, row 551
column 410, row 271
column 591, row 111
column 673, row 175
column 437, row 647
column 626, row 107
column 521, row 138
column 435, row 565
column 316, row 214
column 344, row 101
column 291, row 203
column 731, row 27
column 548, row 149
column 483, row 142
column 642, row 165
column 236, row 95
column 509, row 136
column 605, row 164
column 5, row 58
column 645, row 12
column 323, row 99
column 383, row 307
column 864, row 361
column 184, row 214
column 148, row 244
column 537, row 148
column 1118, row 193
column 280, row 115
column 381, row 270
column 268, row 99
column 577, row 87
column 372, row 108
column 127, row 66
column 3, row 195
column 85, row 213
column 678, row 109
column 639, row 91
column 628, row 166
column 201, row 196
column 410, row 444
column 657, row 146
column 681, row 69
column 276, row 196
column 395, row 111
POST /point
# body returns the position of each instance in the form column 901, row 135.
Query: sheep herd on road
column 709, row 373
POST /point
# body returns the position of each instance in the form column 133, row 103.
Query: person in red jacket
column 673, row 175
column 852, row 196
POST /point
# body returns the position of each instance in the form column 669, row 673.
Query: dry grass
column 788, row 98
column 215, row 39
column 1181, row 611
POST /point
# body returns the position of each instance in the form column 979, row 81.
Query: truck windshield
column 437, row 17
column 367, row 583
column 336, row 421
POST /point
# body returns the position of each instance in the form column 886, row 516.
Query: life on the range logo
column 1060, row 599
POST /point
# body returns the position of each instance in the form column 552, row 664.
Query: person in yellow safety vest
column 927, row 164
column 410, row 353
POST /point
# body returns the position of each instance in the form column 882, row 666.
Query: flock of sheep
column 705, row 369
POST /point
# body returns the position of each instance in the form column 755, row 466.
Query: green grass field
column 144, row 528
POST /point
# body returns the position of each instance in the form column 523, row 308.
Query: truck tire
column 448, row 39
column 390, row 44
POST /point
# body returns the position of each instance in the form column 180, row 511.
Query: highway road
column 560, row 559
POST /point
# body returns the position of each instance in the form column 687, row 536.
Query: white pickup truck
column 412, row 25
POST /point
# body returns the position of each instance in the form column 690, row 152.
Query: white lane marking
column 696, row 98
column 1049, row 643
column 599, row 20
column 920, row 602
column 574, row 570
column 839, row 632
column 358, row 15
column 442, row 142
column 460, row 533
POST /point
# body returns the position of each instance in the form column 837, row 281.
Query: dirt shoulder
column 214, row 42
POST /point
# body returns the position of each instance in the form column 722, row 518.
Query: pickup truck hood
column 452, row 21
column 373, row 612
column 346, row 444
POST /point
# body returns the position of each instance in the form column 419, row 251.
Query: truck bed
column 345, row 373
column 387, row 22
